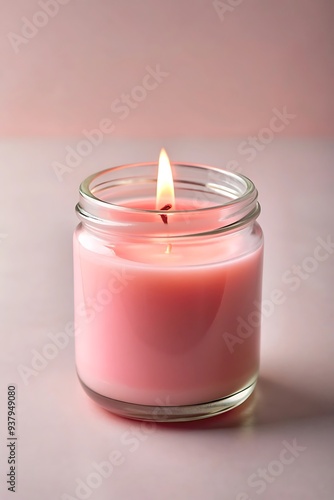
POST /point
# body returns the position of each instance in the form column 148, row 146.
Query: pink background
column 225, row 76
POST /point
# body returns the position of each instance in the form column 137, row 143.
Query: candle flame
column 165, row 184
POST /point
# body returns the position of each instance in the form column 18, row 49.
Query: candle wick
column 164, row 216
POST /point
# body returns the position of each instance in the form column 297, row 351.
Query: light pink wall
column 225, row 75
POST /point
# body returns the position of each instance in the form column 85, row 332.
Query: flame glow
column 165, row 185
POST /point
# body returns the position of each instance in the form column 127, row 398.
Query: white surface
column 61, row 432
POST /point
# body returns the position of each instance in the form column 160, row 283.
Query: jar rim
column 233, row 196
column 86, row 191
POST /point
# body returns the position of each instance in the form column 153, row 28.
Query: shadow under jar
column 167, row 303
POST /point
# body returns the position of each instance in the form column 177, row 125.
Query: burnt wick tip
column 164, row 216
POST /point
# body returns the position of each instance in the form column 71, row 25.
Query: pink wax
column 168, row 325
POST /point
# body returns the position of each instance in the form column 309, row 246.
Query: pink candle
column 163, row 299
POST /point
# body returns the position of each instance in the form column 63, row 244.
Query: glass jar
column 168, row 303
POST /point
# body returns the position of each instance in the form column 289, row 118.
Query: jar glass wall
column 165, row 300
